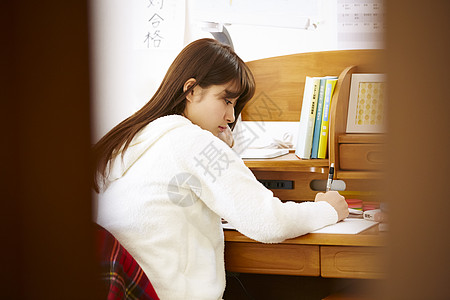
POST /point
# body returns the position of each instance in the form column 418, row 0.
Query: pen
column 330, row 177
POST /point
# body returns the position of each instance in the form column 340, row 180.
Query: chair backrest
column 121, row 275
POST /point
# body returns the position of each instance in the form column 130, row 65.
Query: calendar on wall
column 360, row 24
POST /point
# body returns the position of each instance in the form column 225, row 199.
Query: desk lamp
column 219, row 32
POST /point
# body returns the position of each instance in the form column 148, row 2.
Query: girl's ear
column 187, row 85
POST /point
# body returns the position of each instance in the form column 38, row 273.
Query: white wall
column 258, row 38
column 126, row 74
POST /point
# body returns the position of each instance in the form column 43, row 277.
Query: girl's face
column 210, row 108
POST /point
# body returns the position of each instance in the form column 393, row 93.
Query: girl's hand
column 337, row 201
column 227, row 137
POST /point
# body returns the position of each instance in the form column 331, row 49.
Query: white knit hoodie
column 165, row 198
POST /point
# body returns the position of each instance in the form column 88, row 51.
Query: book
column 318, row 120
column 307, row 117
column 323, row 140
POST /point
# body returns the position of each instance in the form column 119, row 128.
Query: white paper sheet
column 263, row 153
column 347, row 226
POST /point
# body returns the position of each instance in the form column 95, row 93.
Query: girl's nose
column 229, row 116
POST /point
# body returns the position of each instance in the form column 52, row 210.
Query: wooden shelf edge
column 361, row 138
column 288, row 162
column 363, row 175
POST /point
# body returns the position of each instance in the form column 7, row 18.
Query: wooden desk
column 280, row 83
column 314, row 254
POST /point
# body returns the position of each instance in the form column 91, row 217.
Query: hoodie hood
column 141, row 142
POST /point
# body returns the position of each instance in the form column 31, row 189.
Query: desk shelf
column 301, row 172
column 279, row 89
column 358, row 158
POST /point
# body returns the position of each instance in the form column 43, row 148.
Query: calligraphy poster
column 158, row 24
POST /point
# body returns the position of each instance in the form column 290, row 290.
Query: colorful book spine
column 318, row 120
column 307, row 117
column 323, row 141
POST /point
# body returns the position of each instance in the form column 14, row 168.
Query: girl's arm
column 231, row 190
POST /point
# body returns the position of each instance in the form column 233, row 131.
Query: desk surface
column 371, row 237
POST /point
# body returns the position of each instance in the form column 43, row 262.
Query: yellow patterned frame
column 366, row 103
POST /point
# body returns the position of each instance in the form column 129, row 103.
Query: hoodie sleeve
column 231, row 190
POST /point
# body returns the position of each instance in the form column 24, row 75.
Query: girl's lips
column 222, row 129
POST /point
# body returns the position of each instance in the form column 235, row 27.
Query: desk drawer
column 360, row 156
column 272, row 258
column 352, row 262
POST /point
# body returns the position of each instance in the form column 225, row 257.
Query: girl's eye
column 228, row 101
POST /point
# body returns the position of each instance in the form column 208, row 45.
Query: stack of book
column 355, row 204
column 370, row 205
column 314, row 118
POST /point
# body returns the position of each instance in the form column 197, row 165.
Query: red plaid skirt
column 120, row 273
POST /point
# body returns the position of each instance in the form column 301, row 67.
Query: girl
column 165, row 179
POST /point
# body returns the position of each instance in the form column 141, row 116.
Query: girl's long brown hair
column 206, row 60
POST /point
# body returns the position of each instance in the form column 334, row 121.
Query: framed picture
column 366, row 103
